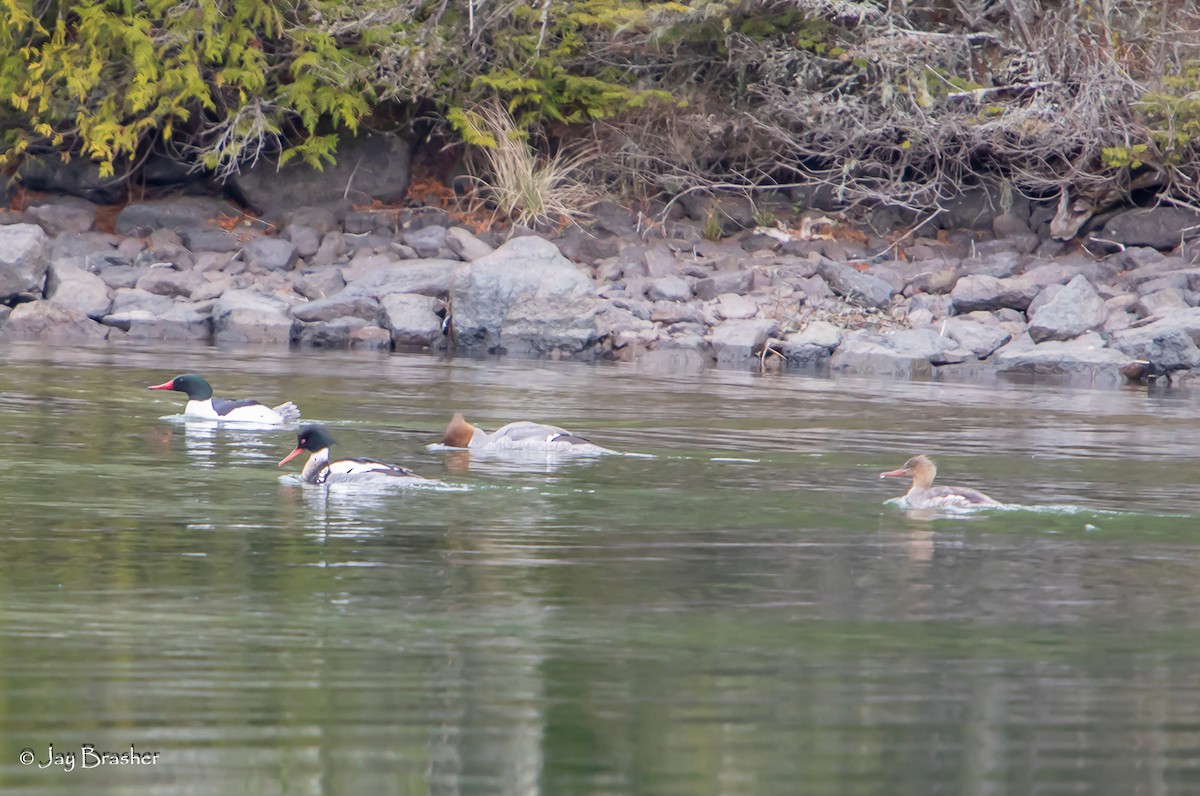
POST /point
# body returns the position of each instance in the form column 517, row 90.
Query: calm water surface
column 740, row 612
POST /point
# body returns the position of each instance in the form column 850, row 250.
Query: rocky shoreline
column 1008, row 301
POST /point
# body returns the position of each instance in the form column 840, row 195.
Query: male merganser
column 202, row 404
column 522, row 435
column 320, row 470
column 924, row 495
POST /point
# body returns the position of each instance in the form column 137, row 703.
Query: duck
column 924, row 495
column 202, row 404
column 319, row 469
column 523, row 435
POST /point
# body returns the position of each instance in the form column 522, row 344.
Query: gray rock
column 77, row 177
column 210, row 240
column 463, row 243
column 1084, row 356
column 672, row 312
column 177, row 213
column 981, row 292
column 427, row 242
column 737, row 341
column 627, row 334
column 242, row 316
column 864, row 352
column 100, row 245
column 65, row 214
column 1162, row 227
column 927, row 342
column 340, row 305
column 427, row 277
column 179, row 322
column 319, row 283
column 271, row 254
column 854, row 287
column 1001, row 264
column 336, row 333
column 1160, row 302
column 978, row 338
column 1173, row 350
column 732, row 307
column 169, row 282
column 23, row 261
column 306, row 239
column 723, row 282
column 51, row 322
column 75, row 287
column 668, row 288
column 136, row 300
column 332, row 249
column 1073, row 309
column 1137, row 340
column 656, row 263
column 368, row 167
column 524, row 297
column 938, row 306
column 813, row 345
column 412, row 319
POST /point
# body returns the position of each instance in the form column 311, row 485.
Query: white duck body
column 522, row 435
column 319, row 469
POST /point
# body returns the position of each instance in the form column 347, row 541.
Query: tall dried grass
column 528, row 187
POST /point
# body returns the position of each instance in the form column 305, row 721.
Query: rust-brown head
column 921, row 468
column 458, row 433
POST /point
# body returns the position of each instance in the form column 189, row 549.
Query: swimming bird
column 924, row 495
column 522, row 435
column 320, row 470
column 202, row 404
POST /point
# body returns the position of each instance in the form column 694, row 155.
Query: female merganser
column 320, row 470
column 202, row 404
column 924, row 495
column 522, row 435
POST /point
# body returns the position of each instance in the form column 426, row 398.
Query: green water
column 742, row 613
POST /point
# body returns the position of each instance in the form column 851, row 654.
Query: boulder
column 134, row 299
column 65, row 214
column 169, row 282
column 306, row 239
column 1084, row 356
column 178, row 213
column 981, row 292
column 1135, row 342
column 1173, row 350
column 732, row 307
column 75, row 287
column 740, row 340
column 340, row 305
column 412, row 319
column 427, row 242
column 210, row 240
column 243, row 316
column 723, row 282
column 463, row 243
column 865, row 353
column 51, row 322
column 336, row 333
column 672, row 312
column 813, row 345
column 179, row 322
column 76, row 177
column 1161, row 227
column 427, row 277
column 23, row 261
column 1071, row 310
column 369, row 167
column 927, row 342
column 854, row 287
column 525, row 297
column 668, row 288
column 270, row 254
column 978, row 338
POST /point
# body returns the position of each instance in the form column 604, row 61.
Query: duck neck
column 314, row 464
